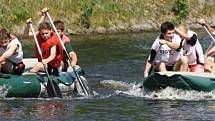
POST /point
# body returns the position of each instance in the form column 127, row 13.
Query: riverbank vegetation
column 106, row 16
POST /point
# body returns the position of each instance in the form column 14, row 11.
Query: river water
column 114, row 68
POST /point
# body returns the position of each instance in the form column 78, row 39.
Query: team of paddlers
column 53, row 54
column 175, row 49
column 178, row 49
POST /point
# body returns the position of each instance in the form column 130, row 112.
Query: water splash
column 178, row 94
column 133, row 90
column 169, row 93
column 115, row 84
column 3, row 91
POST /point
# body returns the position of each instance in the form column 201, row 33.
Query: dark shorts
column 168, row 68
column 18, row 68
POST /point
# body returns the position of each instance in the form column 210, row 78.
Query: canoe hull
column 20, row 86
column 32, row 85
column 186, row 81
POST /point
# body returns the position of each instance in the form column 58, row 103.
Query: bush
column 180, row 10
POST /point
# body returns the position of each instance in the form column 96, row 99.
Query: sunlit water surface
column 114, row 68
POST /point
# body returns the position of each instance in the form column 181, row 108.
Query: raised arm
column 182, row 31
column 43, row 15
column 26, row 32
column 182, row 34
column 204, row 23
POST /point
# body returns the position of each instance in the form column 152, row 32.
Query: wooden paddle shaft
column 79, row 79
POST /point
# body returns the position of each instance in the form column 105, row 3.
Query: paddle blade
column 53, row 91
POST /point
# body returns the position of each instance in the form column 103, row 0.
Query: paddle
column 211, row 38
column 83, row 85
column 53, row 89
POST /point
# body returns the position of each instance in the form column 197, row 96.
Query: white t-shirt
column 18, row 55
column 194, row 53
column 165, row 53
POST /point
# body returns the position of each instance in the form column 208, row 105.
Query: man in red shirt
column 50, row 46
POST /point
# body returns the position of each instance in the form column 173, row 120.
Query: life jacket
column 46, row 46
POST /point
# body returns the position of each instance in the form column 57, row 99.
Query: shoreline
column 110, row 17
column 149, row 26
column 125, row 31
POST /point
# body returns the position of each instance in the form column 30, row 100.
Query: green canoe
column 180, row 80
column 34, row 85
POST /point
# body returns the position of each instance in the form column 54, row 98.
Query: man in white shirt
column 11, row 54
column 164, row 51
column 192, row 50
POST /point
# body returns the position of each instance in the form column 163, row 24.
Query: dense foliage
column 180, row 10
column 88, row 15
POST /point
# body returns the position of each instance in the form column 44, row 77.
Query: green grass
column 82, row 15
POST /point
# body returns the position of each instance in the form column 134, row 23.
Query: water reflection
column 48, row 110
column 11, row 109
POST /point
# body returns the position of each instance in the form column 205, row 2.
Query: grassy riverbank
column 102, row 16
